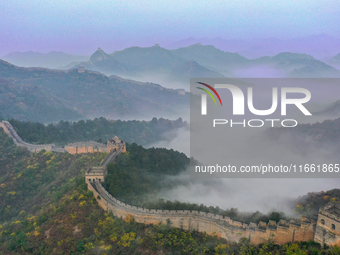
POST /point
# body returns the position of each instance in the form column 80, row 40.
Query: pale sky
column 80, row 26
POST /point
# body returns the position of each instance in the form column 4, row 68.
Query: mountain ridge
column 174, row 65
column 88, row 95
column 53, row 59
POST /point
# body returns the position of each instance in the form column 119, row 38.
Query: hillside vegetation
column 30, row 181
column 325, row 133
column 46, row 209
column 44, row 95
column 311, row 203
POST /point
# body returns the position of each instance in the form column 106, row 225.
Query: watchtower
column 96, row 173
column 115, row 143
column 328, row 225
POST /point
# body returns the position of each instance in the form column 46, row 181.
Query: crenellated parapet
column 90, row 143
column 280, row 232
column 85, row 147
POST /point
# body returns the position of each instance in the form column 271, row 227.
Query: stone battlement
column 85, row 147
column 280, row 232
column 87, row 143
column 207, row 222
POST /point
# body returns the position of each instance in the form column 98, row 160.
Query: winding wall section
column 10, row 131
column 73, row 148
column 280, row 233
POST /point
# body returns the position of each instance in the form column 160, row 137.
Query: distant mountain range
column 333, row 61
column 211, row 57
column 45, row 95
column 136, row 62
column 54, row 59
column 297, row 65
column 203, row 61
column 174, row 68
column 319, row 46
column 325, row 133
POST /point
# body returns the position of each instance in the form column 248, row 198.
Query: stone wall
column 85, row 147
column 9, row 130
column 73, row 148
column 280, row 233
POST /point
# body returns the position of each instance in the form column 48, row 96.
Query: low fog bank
column 260, row 71
column 177, row 139
column 262, row 194
column 166, row 81
column 249, row 195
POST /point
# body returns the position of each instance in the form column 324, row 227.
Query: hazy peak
column 53, row 59
column 337, row 57
column 99, row 55
column 290, row 55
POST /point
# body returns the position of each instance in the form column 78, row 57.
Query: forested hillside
column 46, row 209
column 44, row 95
column 28, row 182
column 326, row 132
column 311, row 203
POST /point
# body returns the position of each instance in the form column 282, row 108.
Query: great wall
column 326, row 230
column 73, row 148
